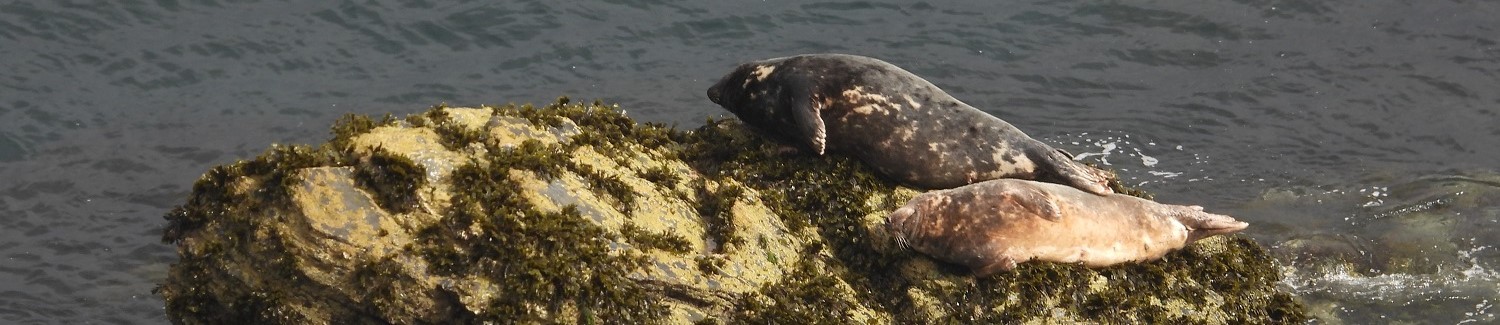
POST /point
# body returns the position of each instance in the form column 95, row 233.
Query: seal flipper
column 1034, row 200
column 1002, row 263
column 805, row 112
column 1078, row 175
column 1203, row 224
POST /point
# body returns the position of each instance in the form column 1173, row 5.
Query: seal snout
column 713, row 93
column 895, row 222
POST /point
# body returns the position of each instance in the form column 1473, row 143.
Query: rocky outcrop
column 575, row 213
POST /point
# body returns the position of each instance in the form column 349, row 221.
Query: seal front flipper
column 805, row 111
column 1032, row 200
column 1002, row 263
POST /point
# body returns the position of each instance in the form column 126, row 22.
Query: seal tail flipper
column 1202, row 225
column 1076, row 174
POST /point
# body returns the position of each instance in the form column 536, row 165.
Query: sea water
column 1357, row 137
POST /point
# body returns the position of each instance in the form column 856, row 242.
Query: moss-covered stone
column 393, row 180
column 575, row 213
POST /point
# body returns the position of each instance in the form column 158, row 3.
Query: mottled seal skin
column 898, row 123
column 990, row 226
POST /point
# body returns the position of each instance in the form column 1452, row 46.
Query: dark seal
column 992, row 225
column 898, row 123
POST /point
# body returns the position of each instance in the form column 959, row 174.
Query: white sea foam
column 1475, row 283
column 1139, row 161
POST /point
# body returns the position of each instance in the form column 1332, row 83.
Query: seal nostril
column 713, row 94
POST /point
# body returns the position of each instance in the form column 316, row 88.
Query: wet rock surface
column 575, row 213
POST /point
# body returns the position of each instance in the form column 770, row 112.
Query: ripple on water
column 1452, row 296
column 111, row 109
column 12, row 148
column 1139, row 160
column 1421, row 249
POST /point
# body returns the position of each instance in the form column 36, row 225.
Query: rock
column 575, row 213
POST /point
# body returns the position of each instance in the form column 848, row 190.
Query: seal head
column 785, row 108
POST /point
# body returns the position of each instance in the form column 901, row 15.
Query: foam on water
column 1412, row 249
column 1138, row 163
column 110, row 111
column 1357, row 295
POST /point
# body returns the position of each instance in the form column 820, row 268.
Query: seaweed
column 809, row 296
column 349, row 126
column 655, row 240
column 661, row 175
column 543, row 259
column 608, row 186
column 392, row 178
column 717, row 209
column 557, row 265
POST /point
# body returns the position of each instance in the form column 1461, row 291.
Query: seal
column 990, row 226
column 902, row 125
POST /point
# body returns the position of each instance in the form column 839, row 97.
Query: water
column 1289, row 114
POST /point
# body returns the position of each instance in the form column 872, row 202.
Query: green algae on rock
column 573, row 212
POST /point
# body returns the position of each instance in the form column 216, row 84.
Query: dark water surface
column 1358, row 137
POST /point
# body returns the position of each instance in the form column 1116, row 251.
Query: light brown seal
column 896, row 122
column 990, row 226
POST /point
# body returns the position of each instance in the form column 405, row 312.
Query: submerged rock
column 1417, row 251
column 575, row 213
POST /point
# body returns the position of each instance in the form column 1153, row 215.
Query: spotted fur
column 990, row 226
column 898, row 123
